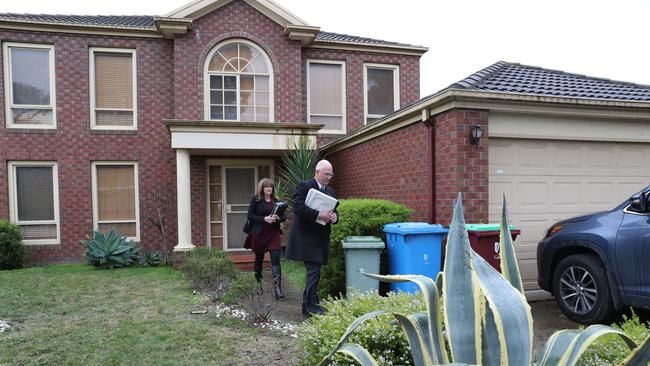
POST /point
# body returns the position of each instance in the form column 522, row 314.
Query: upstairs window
column 29, row 85
column 326, row 94
column 239, row 83
column 113, row 89
column 381, row 90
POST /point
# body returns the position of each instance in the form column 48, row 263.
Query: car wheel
column 581, row 289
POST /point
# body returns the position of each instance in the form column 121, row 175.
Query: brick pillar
column 459, row 166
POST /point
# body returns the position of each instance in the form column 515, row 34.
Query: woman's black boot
column 258, row 271
column 277, row 282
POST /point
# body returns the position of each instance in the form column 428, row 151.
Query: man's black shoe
column 309, row 310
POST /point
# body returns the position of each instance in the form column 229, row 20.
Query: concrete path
column 287, row 310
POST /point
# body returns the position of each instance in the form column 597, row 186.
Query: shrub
column 150, row 259
column 257, row 299
column 110, row 250
column 610, row 349
column 380, row 336
column 12, row 251
column 359, row 217
column 209, row 270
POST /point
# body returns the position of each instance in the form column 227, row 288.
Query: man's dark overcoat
column 308, row 240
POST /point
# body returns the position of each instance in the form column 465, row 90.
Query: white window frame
column 13, row 200
column 343, row 130
column 96, row 222
column 91, row 77
column 206, row 81
column 9, row 86
column 396, row 96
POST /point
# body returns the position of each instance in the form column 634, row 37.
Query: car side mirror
column 639, row 202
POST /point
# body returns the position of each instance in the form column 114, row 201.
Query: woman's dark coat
column 308, row 240
column 257, row 212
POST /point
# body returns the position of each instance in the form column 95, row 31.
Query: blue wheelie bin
column 413, row 248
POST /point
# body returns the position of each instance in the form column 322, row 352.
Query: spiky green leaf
column 640, row 355
column 509, row 265
column 436, row 345
column 588, row 336
column 415, row 335
column 555, row 347
column 356, row 323
column 359, row 354
column 462, row 294
column 509, row 312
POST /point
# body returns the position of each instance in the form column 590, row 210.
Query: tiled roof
column 507, row 77
column 122, row 21
column 345, row 38
column 148, row 22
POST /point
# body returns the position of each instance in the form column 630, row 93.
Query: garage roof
column 509, row 77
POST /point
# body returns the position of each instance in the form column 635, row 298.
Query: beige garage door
column 545, row 181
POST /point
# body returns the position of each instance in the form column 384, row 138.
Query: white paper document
column 319, row 201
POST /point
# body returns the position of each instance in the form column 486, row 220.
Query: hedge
column 357, row 217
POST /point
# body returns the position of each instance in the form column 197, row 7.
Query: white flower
column 4, row 325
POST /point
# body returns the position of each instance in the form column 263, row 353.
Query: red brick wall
column 170, row 85
column 237, row 20
column 459, row 166
column 393, row 167
column 74, row 146
column 409, row 78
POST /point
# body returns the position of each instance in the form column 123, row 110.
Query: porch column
column 183, row 201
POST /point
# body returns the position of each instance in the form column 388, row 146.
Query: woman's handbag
column 247, row 227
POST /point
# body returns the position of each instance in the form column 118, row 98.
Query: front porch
column 218, row 166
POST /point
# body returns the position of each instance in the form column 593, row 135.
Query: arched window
column 239, row 83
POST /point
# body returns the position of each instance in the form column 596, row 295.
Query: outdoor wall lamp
column 477, row 133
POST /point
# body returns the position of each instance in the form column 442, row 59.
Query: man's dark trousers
column 310, row 295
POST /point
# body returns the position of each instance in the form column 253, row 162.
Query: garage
column 556, row 144
column 548, row 180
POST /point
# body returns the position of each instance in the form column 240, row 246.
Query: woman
column 265, row 232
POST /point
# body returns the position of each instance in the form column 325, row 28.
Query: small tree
column 298, row 164
column 158, row 208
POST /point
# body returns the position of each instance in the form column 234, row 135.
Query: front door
column 240, row 186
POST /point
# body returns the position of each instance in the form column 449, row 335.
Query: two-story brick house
column 103, row 115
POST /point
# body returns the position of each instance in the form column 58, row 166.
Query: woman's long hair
column 266, row 182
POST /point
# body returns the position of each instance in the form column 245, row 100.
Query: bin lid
column 486, row 227
column 414, row 228
column 362, row 242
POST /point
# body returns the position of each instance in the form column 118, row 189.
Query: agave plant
column 299, row 164
column 483, row 317
column 150, row 259
column 110, row 250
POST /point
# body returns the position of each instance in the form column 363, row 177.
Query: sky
column 606, row 39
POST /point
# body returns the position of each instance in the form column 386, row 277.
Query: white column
column 183, row 201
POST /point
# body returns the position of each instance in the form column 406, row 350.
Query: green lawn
column 79, row 315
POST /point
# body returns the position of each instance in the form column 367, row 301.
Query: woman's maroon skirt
column 268, row 239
